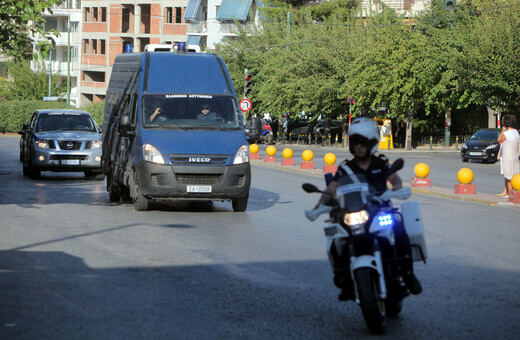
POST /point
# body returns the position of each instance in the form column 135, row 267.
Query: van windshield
column 190, row 111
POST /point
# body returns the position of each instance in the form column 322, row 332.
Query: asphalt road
column 75, row 266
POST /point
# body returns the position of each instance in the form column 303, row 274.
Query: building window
column 102, row 47
column 85, row 46
column 95, row 14
column 169, row 15
column 86, row 17
column 178, row 15
column 103, row 14
column 94, row 47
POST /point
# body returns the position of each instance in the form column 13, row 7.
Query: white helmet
column 366, row 128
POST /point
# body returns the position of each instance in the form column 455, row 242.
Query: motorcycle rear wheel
column 372, row 306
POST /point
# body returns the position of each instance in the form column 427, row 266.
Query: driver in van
column 158, row 114
column 363, row 142
column 207, row 114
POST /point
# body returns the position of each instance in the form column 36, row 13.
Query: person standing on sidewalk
column 509, row 138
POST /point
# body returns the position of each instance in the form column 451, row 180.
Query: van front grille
column 197, row 179
column 199, row 159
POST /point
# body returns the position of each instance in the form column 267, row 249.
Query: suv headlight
column 151, row 154
column 242, row 155
column 41, row 143
column 96, row 144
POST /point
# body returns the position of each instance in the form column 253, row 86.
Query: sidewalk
column 481, row 198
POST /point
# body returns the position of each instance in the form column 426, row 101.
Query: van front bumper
column 162, row 182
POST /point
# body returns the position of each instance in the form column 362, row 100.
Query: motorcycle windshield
column 352, row 192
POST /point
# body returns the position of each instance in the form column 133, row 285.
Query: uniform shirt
column 376, row 174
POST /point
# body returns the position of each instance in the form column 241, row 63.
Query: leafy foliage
column 24, row 83
column 419, row 67
column 18, row 20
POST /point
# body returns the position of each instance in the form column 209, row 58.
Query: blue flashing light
column 385, row 220
column 128, row 48
column 181, row 46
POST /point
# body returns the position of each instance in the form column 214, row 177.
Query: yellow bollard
column 465, row 176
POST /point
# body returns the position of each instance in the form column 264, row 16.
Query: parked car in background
column 317, row 129
column 61, row 141
column 482, row 145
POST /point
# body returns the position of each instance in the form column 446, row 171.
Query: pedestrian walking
column 509, row 139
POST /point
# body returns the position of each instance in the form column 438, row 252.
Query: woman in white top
column 509, row 152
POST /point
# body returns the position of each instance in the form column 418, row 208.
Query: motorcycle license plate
column 199, row 188
column 70, row 162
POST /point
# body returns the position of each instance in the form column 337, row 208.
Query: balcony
column 230, row 28
column 198, row 27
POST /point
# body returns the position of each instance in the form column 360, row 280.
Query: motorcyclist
column 363, row 143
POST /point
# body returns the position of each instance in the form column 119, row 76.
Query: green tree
column 18, row 21
column 26, row 84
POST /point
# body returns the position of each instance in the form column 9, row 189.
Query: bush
column 15, row 113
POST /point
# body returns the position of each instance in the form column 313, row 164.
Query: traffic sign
column 245, row 105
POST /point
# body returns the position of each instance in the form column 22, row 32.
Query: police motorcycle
column 361, row 231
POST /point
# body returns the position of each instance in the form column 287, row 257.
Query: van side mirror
column 125, row 127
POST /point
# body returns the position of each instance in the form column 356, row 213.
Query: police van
column 173, row 130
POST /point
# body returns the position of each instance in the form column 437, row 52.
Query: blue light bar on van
column 128, row 48
column 181, row 47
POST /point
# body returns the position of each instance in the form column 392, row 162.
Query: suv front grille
column 69, row 145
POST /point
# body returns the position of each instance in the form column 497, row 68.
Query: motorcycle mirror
column 309, row 188
column 396, row 166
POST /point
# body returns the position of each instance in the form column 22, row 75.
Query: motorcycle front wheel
column 372, row 306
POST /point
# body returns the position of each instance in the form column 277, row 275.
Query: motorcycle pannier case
column 414, row 227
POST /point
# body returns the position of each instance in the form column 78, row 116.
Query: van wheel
column 141, row 203
column 114, row 189
column 125, row 194
column 240, row 204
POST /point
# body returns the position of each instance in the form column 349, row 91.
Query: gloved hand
column 312, row 214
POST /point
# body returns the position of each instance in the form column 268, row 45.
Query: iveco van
column 173, row 130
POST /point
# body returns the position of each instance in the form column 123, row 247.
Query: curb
column 427, row 192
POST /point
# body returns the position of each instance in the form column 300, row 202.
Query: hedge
column 13, row 113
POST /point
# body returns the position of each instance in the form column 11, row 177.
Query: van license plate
column 70, row 162
column 199, row 188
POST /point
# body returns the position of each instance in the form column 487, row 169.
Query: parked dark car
column 61, row 141
column 317, row 129
column 482, row 145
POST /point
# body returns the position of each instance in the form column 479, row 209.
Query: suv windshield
column 64, row 121
column 190, row 111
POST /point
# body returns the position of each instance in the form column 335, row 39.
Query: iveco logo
column 70, row 145
column 199, row 159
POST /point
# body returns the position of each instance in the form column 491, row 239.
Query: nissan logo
column 199, row 159
column 70, row 145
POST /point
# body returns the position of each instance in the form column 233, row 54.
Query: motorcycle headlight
column 356, row 220
column 41, row 143
column 242, row 155
column 492, row 146
column 151, row 154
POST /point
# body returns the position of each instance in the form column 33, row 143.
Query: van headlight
column 242, row 155
column 151, row 154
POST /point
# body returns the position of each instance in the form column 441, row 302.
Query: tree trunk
column 492, row 120
column 409, row 126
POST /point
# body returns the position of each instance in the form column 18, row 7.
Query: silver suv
column 61, row 140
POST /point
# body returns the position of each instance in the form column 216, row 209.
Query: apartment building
column 212, row 21
column 64, row 16
column 113, row 27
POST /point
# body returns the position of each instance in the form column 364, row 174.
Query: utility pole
column 50, row 70
column 288, row 29
column 68, row 55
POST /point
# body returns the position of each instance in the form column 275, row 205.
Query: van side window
column 126, row 104
column 133, row 112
